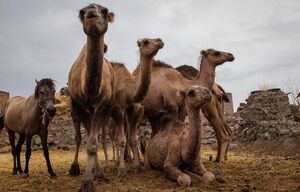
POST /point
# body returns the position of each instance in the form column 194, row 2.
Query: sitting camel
column 214, row 112
column 176, row 147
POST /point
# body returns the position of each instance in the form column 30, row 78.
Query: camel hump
column 161, row 64
column 187, row 71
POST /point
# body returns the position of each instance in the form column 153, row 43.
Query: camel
column 129, row 92
column 28, row 117
column 214, row 112
column 163, row 97
column 90, row 83
column 177, row 147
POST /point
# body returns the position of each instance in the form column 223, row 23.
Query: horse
column 28, row 117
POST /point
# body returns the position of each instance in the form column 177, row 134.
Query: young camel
column 91, row 81
column 164, row 98
column 214, row 112
column 177, row 147
column 129, row 92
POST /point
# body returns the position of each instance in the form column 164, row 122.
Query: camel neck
column 94, row 62
column 194, row 134
column 206, row 75
column 144, row 78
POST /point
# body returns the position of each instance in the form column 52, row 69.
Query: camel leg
column 18, row 152
column 203, row 175
column 100, row 119
column 211, row 113
column 43, row 135
column 104, row 144
column 171, row 167
column 11, row 136
column 99, row 175
column 118, row 116
column 27, row 155
column 135, row 115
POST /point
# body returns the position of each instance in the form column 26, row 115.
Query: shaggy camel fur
column 214, row 112
column 176, row 147
column 28, row 117
column 129, row 92
column 163, row 97
column 91, row 82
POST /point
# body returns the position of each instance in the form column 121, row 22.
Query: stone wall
column 4, row 96
column 228, row 107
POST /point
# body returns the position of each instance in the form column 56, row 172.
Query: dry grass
column 242, row 172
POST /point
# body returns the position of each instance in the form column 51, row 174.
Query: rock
column 5, row 149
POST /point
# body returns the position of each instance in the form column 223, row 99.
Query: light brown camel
column 177, row 147
column 162, row 97
column 28, row 117
column 91, row 82
column 129, row 91
column 214, row 112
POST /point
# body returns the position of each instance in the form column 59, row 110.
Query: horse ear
column 110, row 17
column 139, row 42
column 36, row 81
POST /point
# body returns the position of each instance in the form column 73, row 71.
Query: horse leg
column 11, row 136
column 27, row 155
column 135, row 115
column 43, row 135
column 18, row 152
column 75, row 170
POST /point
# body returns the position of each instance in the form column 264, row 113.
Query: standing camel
column 91, row 81
column 28, row 117
column 177, row 147
column 163, row 97
column 129, row 92
column 214, row 112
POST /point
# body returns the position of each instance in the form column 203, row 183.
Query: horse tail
column 1, row 122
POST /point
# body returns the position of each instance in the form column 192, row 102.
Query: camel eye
column 191, row 93
column 217, row 53
column 105, row 11
column 145, row 42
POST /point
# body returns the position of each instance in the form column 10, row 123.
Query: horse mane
column 161, row 64
column 48, row 82
column 187, row 71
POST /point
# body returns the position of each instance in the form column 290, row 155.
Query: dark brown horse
column 27, row 117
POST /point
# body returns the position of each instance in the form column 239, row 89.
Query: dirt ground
column 242, row 172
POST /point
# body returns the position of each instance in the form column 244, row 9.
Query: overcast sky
column 41, row 39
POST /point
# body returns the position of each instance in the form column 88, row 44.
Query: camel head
column 197, row 96
column 216, row 57
column 95, row 19
column 44, row 92
column 149, row 47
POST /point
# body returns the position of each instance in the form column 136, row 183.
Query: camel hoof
column 208, row 177
column 87, row 186
column 91, row 147
column 99, row 177
column 184, row 180
column 53, row 176
column 74, row 170
column 138, row 169
column 121, row 172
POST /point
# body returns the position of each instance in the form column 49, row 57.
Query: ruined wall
column 4, row 96
column 228, row 107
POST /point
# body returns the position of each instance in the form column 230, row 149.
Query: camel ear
column 105, row 48
column 139, row 42
column 36, row 81
column 110, row 17
column 203, row 53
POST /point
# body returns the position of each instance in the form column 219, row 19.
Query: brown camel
column 129, row 91
column 91, row 82
column 214, row 112
column 177, row 147
column 28, row 117
column 163, row 97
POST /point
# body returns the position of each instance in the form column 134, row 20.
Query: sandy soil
column 242, row 172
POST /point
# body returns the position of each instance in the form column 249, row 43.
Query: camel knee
column 91, row 146
column 184, row 180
